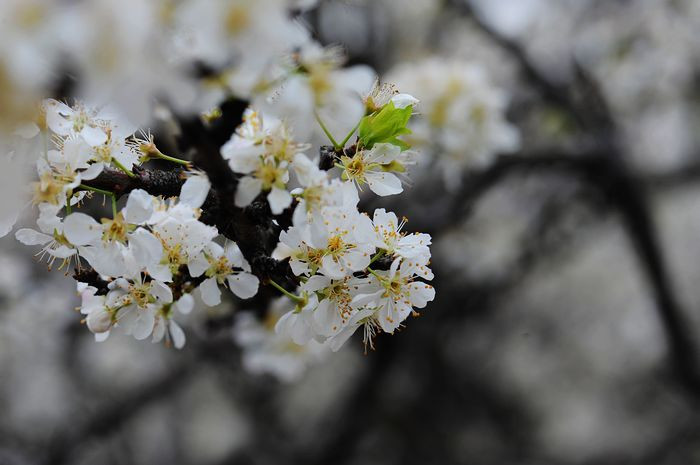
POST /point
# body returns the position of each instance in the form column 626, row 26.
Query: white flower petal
column 244, row 285
column 404, row 100
column 210, row 293
column 162, row 292
column 194, row 191
column 198, row 265
column 81, row 229
column 185, row 304
column 143, row 326
column 31, row 237
column 383, row 183
column 177, row 335
column 93, row 136
column 139, row 207
column 279, row 199
column 248, row 189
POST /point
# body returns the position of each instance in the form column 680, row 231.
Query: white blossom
column 376, row 167
column 337, row 243
column 395, row 293
column 223, row 266
column 462, row 120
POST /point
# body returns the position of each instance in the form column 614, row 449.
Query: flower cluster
column 153, row 252
column 331, row 245
column 333, row 253
column 462, row 120
column 150, row 255
column 131, row 58
column 265, row 351
column 153, row 257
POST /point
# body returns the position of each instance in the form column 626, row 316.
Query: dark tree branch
column 111, row 416
column 584, row 101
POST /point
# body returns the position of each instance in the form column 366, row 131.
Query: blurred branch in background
column 538, row 348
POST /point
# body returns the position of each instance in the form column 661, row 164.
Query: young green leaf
column 385, row 126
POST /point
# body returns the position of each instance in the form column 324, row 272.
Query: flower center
column 141, row 294
column 47, row 190
column 115, row 229
column 219, row 269
column 335, row 245
column 269, row 174
column 236, row 20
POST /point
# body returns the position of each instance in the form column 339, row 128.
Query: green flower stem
column 163, row 156
column 123, row 168
column 284, row 291
column 347, row 138
column 380, row 278
column 325, row 130
column 103, row 192
column 150, row 149
column 377, row 256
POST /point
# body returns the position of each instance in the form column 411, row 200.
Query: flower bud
column 99, row 321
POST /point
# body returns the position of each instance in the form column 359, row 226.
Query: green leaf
column 385, row 126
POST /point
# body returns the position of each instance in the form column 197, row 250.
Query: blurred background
column 561, row 185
